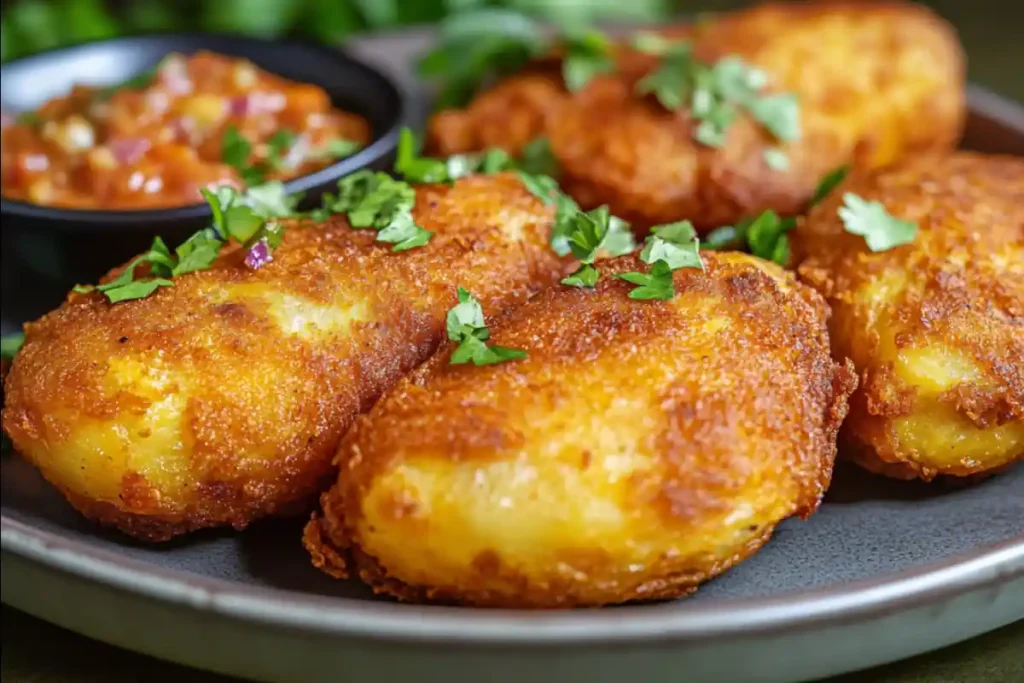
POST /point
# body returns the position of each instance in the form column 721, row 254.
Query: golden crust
column 875, row 81
column 935, row 328
column 642, row 448
column 223, row 398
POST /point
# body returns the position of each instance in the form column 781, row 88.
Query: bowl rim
column 72, row 220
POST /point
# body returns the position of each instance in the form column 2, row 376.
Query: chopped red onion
column 258, row 255
column 174, row 75
column 257, row 103
column 128, row 150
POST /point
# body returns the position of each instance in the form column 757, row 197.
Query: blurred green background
column 990, row 29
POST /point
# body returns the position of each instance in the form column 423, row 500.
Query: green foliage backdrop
column 33, row 25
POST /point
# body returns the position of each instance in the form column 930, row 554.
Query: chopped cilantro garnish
column 537, row 158
column 585, row 276
column 829, row 183
column 585, row 238
column 544, row 188
column 340, row 148
column 717, row 93
column 235, row 150
column 10, row 345
column 656, row 284
column 619, row 239
column 880, row 229
column 587, row 54
column 278, row 145
column 765, row 236
column 676, row 244
column 465, row 325
column 243, row 218
column 378, row 201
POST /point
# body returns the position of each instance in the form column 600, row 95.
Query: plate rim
column 989, row 566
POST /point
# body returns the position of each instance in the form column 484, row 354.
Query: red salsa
column 156, row 140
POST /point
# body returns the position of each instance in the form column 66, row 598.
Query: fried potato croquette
column 643, row 447
column 874, row 82
column 936, row 327
column 223, row 398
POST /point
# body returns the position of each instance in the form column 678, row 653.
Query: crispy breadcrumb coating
column 643, row 447
column 935, row 328
column 223, row 398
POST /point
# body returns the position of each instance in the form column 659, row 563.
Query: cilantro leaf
column 235, row 149
column 10, row 345
column 870, row 219
column 672, row 81
column 675, row 244
column 587, row 54
column 585, row 276
column 278, row 145
column 651, row 43
column 589, row 229
column 537, row 158
column 410, row 164
column 271, row 200
column 544, row 188
column 619, row 239
column 339, row 148
column 198, row 252
column 136, row 289
column 829, row 183
column 372, row 200
column 566, row 209
column 404, row 233
column 765, row 236
column 780, row 114
column 657, row 284
column 465, row 325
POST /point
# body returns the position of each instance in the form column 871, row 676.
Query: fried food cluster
column 223, row 398
column 936, row 327
column 643, row 446
column 874, row 81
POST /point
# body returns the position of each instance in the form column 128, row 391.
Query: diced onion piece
column 258, row 255
column 128, row 150
column 174, row 74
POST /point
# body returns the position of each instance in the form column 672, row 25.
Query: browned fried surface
column 875, row 81
column 223, row 398
column 642, row 448
column 936, row 328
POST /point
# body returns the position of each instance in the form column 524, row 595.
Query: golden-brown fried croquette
column 642, row 447
column 874, row 81
column 936, row 327
column 223, row 398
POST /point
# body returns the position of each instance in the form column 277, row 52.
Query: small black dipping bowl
column 48, row 250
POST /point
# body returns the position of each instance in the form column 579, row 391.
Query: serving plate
column 885, row 570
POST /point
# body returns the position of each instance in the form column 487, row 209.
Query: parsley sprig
column 378, row 201
column 717, row 93
column 465, row 325
column 588, row 53
column 879, row 228
column 243, row 218
column 668, row 248
column 764, row 236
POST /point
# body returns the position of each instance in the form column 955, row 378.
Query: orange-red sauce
column 157, row 140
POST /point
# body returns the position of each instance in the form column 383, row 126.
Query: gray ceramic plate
column 885, row 570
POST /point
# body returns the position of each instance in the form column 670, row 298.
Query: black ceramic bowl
column 53, row 248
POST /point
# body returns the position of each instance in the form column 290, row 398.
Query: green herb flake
column 656, row 284
column 278, row 146
column 465, row 325
column 544, row 188
column 339, row 148
column 870, row 219
column 829, row 183
column 586, row 276
column 416, row 168
column 780, row 114
column 675, row 244
column 764, row 236
column 404, row 233
column 538, row 158
column 587, row 54
column 235, row 148
column 10, row 345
